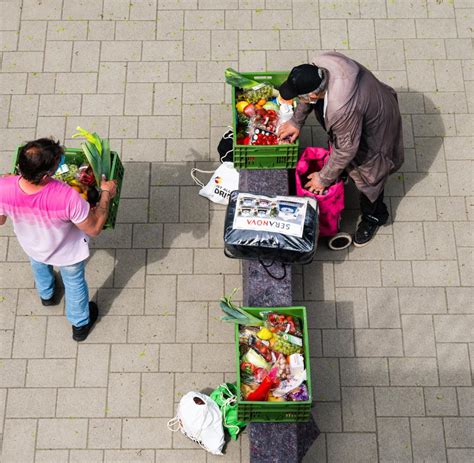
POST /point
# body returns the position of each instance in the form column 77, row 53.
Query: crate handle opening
column 262, row 77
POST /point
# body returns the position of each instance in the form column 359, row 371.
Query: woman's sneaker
column 365, row 232
column 80, row 333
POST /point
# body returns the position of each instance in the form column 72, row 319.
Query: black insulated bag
column 271, row 228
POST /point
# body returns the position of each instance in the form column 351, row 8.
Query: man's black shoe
column 365, row 232
column 80, row 333
column 54, row 300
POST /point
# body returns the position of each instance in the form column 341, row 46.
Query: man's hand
column 110, row 186
column 314, row 185
column 287, row 132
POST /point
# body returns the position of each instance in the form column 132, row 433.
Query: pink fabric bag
column 330, row 204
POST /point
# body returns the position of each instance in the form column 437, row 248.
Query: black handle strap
column 266, row 267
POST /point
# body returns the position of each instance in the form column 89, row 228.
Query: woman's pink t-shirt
column 44, row 221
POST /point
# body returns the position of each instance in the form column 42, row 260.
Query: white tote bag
column 224, row 180
column 200, row 419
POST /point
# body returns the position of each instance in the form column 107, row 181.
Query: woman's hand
column 289, row 132
column 314, row 185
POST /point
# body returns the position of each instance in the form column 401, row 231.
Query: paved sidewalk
column 392, row 324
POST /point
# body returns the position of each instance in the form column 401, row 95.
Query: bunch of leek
column 97, row 153
column 237, row 314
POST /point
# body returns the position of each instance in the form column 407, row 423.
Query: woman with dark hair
column 362, row 118
column 52, row 223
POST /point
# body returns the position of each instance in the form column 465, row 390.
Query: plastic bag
column 277, row 322
column 225, row 396
column 224, row 180
column 200, row 419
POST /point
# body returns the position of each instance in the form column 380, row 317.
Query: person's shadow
column 161, row 218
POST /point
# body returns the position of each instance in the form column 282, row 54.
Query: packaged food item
column 296, row 364
column 287, row 344
column 300, row 393
column 288, row 385
column 262, row 391
column 283, row 367
column 276, row 322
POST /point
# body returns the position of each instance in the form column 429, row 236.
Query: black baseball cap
column 301, row 80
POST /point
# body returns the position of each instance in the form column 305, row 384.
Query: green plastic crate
column 277, row 412
column 263, row 157
column 75, row 155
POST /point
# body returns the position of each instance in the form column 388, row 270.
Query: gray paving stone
column 81, row 402
column 151, row 329
column 453, row 364
column 399, row 401
column 49, row 456
column 465, row 259
column 92, row 365
column 396, row 273
column 62, row 433
column 86, row 456
column 213, row 357
column 436, row 273
column 427, row 439
column 351, row 306
column 319, row 281
column 325, row 379
column 19, row 441
column 132, row 276
column 6, row 342
column 123, row 385
column 454, row 328
column 157, row 395
column 422, row 300
column 460, row 455
column 191, row 322
column 160, row 295
column 175, row 357
column 466, row 401
column 413, row 371
column 383, row 308
column 358, row 409
column 31, row 403
column 440, row 401
column 102, row 105
column 338, row 343
column 199, row 287
column 321, row 314
column 378, row 342
column 142, row 456
column 134, row 358
column 145, row 433
column 409, row 240
column 459, row 432
column 108, row 330
column 50, row 373
column 328, row 416
column 104, row 433
column 460, row 300
column 394, row 439
column 451, row 209
column 58, row 339
column 30, row 335
column 357, row 447
column 418, row 335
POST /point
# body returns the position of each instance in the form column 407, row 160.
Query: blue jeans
column 75, row 286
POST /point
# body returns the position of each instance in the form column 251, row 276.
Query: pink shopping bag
column 331, row 204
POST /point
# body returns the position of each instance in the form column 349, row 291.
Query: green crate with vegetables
column 272, row 361
column 257, row 112
column 83, row 169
